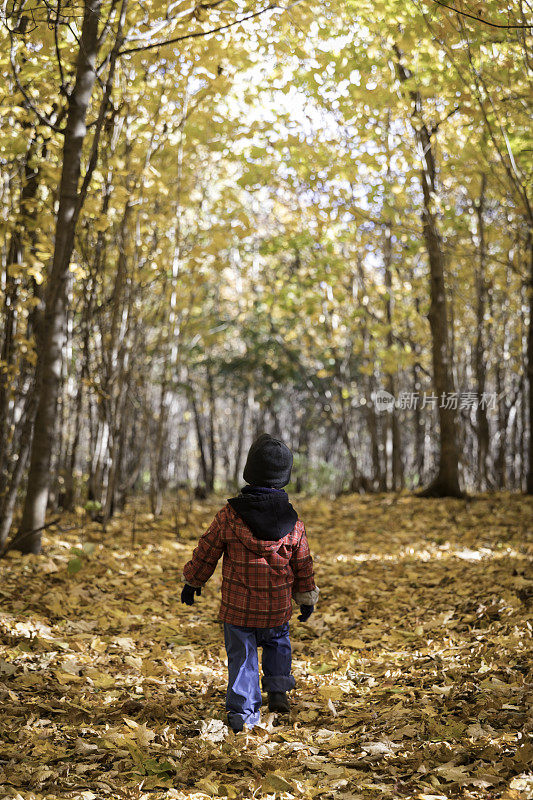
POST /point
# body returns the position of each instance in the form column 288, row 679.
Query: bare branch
column 200, row 33
column 41, row 117
column 480, row 19
column 56, row 42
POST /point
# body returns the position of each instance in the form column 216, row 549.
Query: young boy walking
column 266, row 564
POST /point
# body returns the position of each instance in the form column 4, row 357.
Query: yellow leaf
column 331, row 692
column 100, row 679
column 277, row 783
column 356, row 644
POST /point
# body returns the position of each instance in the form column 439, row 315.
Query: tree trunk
column 240, row 442
column 117, row 417
column 60, row 445
column 15, row 255
column 200, row 438
column 378, row 481
column 69, row 496
column 446, row 482
column 524, row 441
column 397, row 470
column 51, row 338
column 499, row 460
column 212, row 443
column 418, row 423
column 8, row 501
column 117, row 441
column 69, row 492
column 156, row 454
column 303, row 452
column 356, row 481
column 482, row 421
column 529, row 373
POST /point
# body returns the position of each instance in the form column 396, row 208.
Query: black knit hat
column 269, row 463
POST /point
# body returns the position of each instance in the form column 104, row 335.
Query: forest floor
column 412, row 675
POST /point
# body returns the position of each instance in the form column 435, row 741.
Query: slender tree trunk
column 378, row 481
column 418, row 423
column 482, row 421
column 512, row 427
column 118, row 360
column 356, row 483
column 524, row 440
column 240, row 442
column 8, row 501
column 520, row 475
column 117, row 409
column 418, row 416
column 69, row 497
column 51, row 338
column 529, row 373
column 446, row 482
column 61, row 431
column 6, row 360
column 95, row 463
column 359, row 481
column 212, row 419
column 397, row 469
column 15, row 255
column 121, row 485
column 156, row 454
column 499, row 461
column 200, row 438
column 117, row 440
column 397, row 464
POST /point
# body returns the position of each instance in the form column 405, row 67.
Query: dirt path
column 412, row 675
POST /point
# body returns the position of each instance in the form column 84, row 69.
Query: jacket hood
column 268, row 513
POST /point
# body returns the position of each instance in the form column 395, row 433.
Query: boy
column 266, row 562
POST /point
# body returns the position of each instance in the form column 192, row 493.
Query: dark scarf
column 266, row 511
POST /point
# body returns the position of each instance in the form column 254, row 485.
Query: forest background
column 220, row 218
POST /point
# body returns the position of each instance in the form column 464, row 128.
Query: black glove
column 306, row 612
column 187, row 594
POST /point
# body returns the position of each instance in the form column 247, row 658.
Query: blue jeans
column 243, row 698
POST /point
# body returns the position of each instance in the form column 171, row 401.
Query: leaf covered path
column 412, row 675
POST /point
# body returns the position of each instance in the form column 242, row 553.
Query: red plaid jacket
column 259, row 578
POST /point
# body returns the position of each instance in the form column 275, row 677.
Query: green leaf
column 92, row 505
column 74, row 565
column 154, row 767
